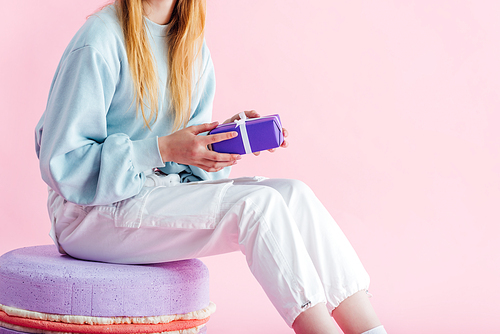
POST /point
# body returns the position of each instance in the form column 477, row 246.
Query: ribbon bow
column 241, row 123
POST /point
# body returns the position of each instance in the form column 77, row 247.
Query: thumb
column 196, row 129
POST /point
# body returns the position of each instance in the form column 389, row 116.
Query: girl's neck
column 159, row 11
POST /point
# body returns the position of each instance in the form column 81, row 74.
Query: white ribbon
column 241, row 123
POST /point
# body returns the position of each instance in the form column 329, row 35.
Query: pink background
column 392, row 108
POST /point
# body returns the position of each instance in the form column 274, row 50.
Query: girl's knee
column 291, row 190
column 298, row 186
column 265, row 196
column 263, row 203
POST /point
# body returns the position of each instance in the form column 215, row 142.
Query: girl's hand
column 186, row 147
column 284, row 144
column 249, row 114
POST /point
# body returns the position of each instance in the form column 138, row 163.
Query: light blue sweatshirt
column 92, row 145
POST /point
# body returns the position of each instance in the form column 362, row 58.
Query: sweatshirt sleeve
column 202, row 105
column 203, row 114
column 78, row 159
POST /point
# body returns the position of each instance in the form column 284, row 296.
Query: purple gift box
column 254, row 135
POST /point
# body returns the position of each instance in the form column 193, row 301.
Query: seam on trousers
column 313, row 301
column 287, row 265
column 218, row 214
column 348, row 292
column 141, row 211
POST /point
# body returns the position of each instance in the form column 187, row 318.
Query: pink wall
column 391, row 108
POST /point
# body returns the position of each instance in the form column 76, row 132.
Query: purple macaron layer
column 40, row 279
column 8, row 331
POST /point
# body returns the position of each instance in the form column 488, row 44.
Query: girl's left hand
column 254, row 114
column 249, row 114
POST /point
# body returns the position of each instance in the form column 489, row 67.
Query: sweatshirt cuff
column 146, row 154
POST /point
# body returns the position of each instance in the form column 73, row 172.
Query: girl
column 131, row 179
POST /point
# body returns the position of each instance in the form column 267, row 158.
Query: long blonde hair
column 184, row 37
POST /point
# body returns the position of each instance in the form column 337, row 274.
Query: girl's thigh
column 162, row 223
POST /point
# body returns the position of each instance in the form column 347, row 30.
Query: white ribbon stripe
column 241, row 123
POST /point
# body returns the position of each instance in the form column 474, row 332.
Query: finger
column 209, row 169
column 248, row 113
column 285, row 132
column 230, row 120
column 210, row 139
column 196, row 129
column 211, row 166
column 234, row 118
column 284, row 144
column 220, row 157
column 272, row 150
column 252, row 114
column 256, row 153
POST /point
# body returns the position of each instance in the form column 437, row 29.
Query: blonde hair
column 184, row 37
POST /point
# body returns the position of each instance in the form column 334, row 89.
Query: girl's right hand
column 187, row 148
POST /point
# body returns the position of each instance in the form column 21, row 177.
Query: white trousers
column 292, row 245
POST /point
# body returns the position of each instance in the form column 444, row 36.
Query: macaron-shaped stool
column 42, row 291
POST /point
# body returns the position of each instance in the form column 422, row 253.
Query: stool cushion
column 40, row 279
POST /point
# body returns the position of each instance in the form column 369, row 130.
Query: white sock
column 377, row 330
